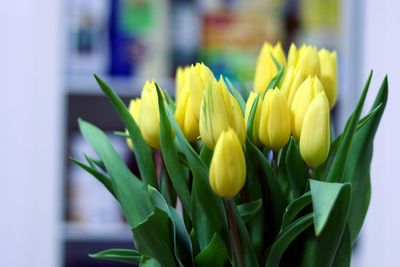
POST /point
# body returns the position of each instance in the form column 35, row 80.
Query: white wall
column 380, row 241
column 30, row 132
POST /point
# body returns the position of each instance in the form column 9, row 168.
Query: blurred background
column 54, row 214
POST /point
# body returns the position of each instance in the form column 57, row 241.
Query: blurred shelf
column 97, row 232
column 123, row 86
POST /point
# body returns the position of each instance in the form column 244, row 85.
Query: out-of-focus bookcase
column 128, row 41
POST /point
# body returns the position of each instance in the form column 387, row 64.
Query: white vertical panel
column 381, row 236
column 30, row 134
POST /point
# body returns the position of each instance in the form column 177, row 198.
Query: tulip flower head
column 184, row 115
column 266, row 69
column 220, row 111
column 291, row 82
column 149, row 116
column 134, row 109
column 199, row 78
column 301, row 101
column 257, row 115
column 228, row 167
column 329, row 75
column 315, row 133
column 306, row 58
column 274, row 129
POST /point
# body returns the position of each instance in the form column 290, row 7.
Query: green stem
column 275, row 161
column 234, row 235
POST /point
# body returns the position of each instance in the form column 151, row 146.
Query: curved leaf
column 129, row 190
column 142, row 150
column 294, row 208
column 236, row 94
column 121, row 255
column 248, row 210
column 296, row 169
column 171, row 157
column 214, row 254
column 283, row 240
column 343, row 254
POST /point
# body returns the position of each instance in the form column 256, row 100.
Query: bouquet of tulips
column 246, row 178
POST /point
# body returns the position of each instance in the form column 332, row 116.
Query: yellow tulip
column 220, row 111
column 257, row 115
column 274, row 129
column 228, row 166
column 149, row 116
column 301, row 101
column 291, row 82
column 184, row 115
column 329, row 75
column 181, row 77
column 315, row 133
column 305, row 58
column 134, row 109
column 199, row 77
column 266, row 69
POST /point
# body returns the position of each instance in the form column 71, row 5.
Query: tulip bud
column 291, row 82
column 220, row 111
column 200, row 77
column 266, row 69
column 329, row 75
column 308, row 60
column 257, row 115
column 149, row 116
column 228, row 166
column 184, row 115
column 275, row 120
column 301, row 101
column 181, row 77
column 315, row 133
column 134, row 109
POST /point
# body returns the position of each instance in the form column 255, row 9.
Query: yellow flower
column 200, row 77
column 266, row 69
column 329, row 75
column 149, row 116
column 301, row 101
column 315, row 133
column 181, row 77
column 228, row 166
column 275, row 120
column 220, row 111
column 134, row 109
column 257, row 115
column 291, row 82
column 184, row 115
column 306, row 58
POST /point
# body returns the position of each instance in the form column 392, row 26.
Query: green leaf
column 142, row 150
column 324, row 196
column 171, row 157
column 336, row 170
column 343, row 254
column 331, row 204
column 148, row 262
column 277, row 201
column 294, row 208
column 203, row 229
column 106, row 181
column 296, row 169
column 248, row 253
column 236, row 94
column 357, row 168
column 181, row 238
column 121, row 134
column 206, row 155
column 248, row 210
column 214, row 254
column 153, row 238
column 283, row 240
column 118, row 254
column 170, row 101
column 276, row 80
column 252, row 114
column 128, row 188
